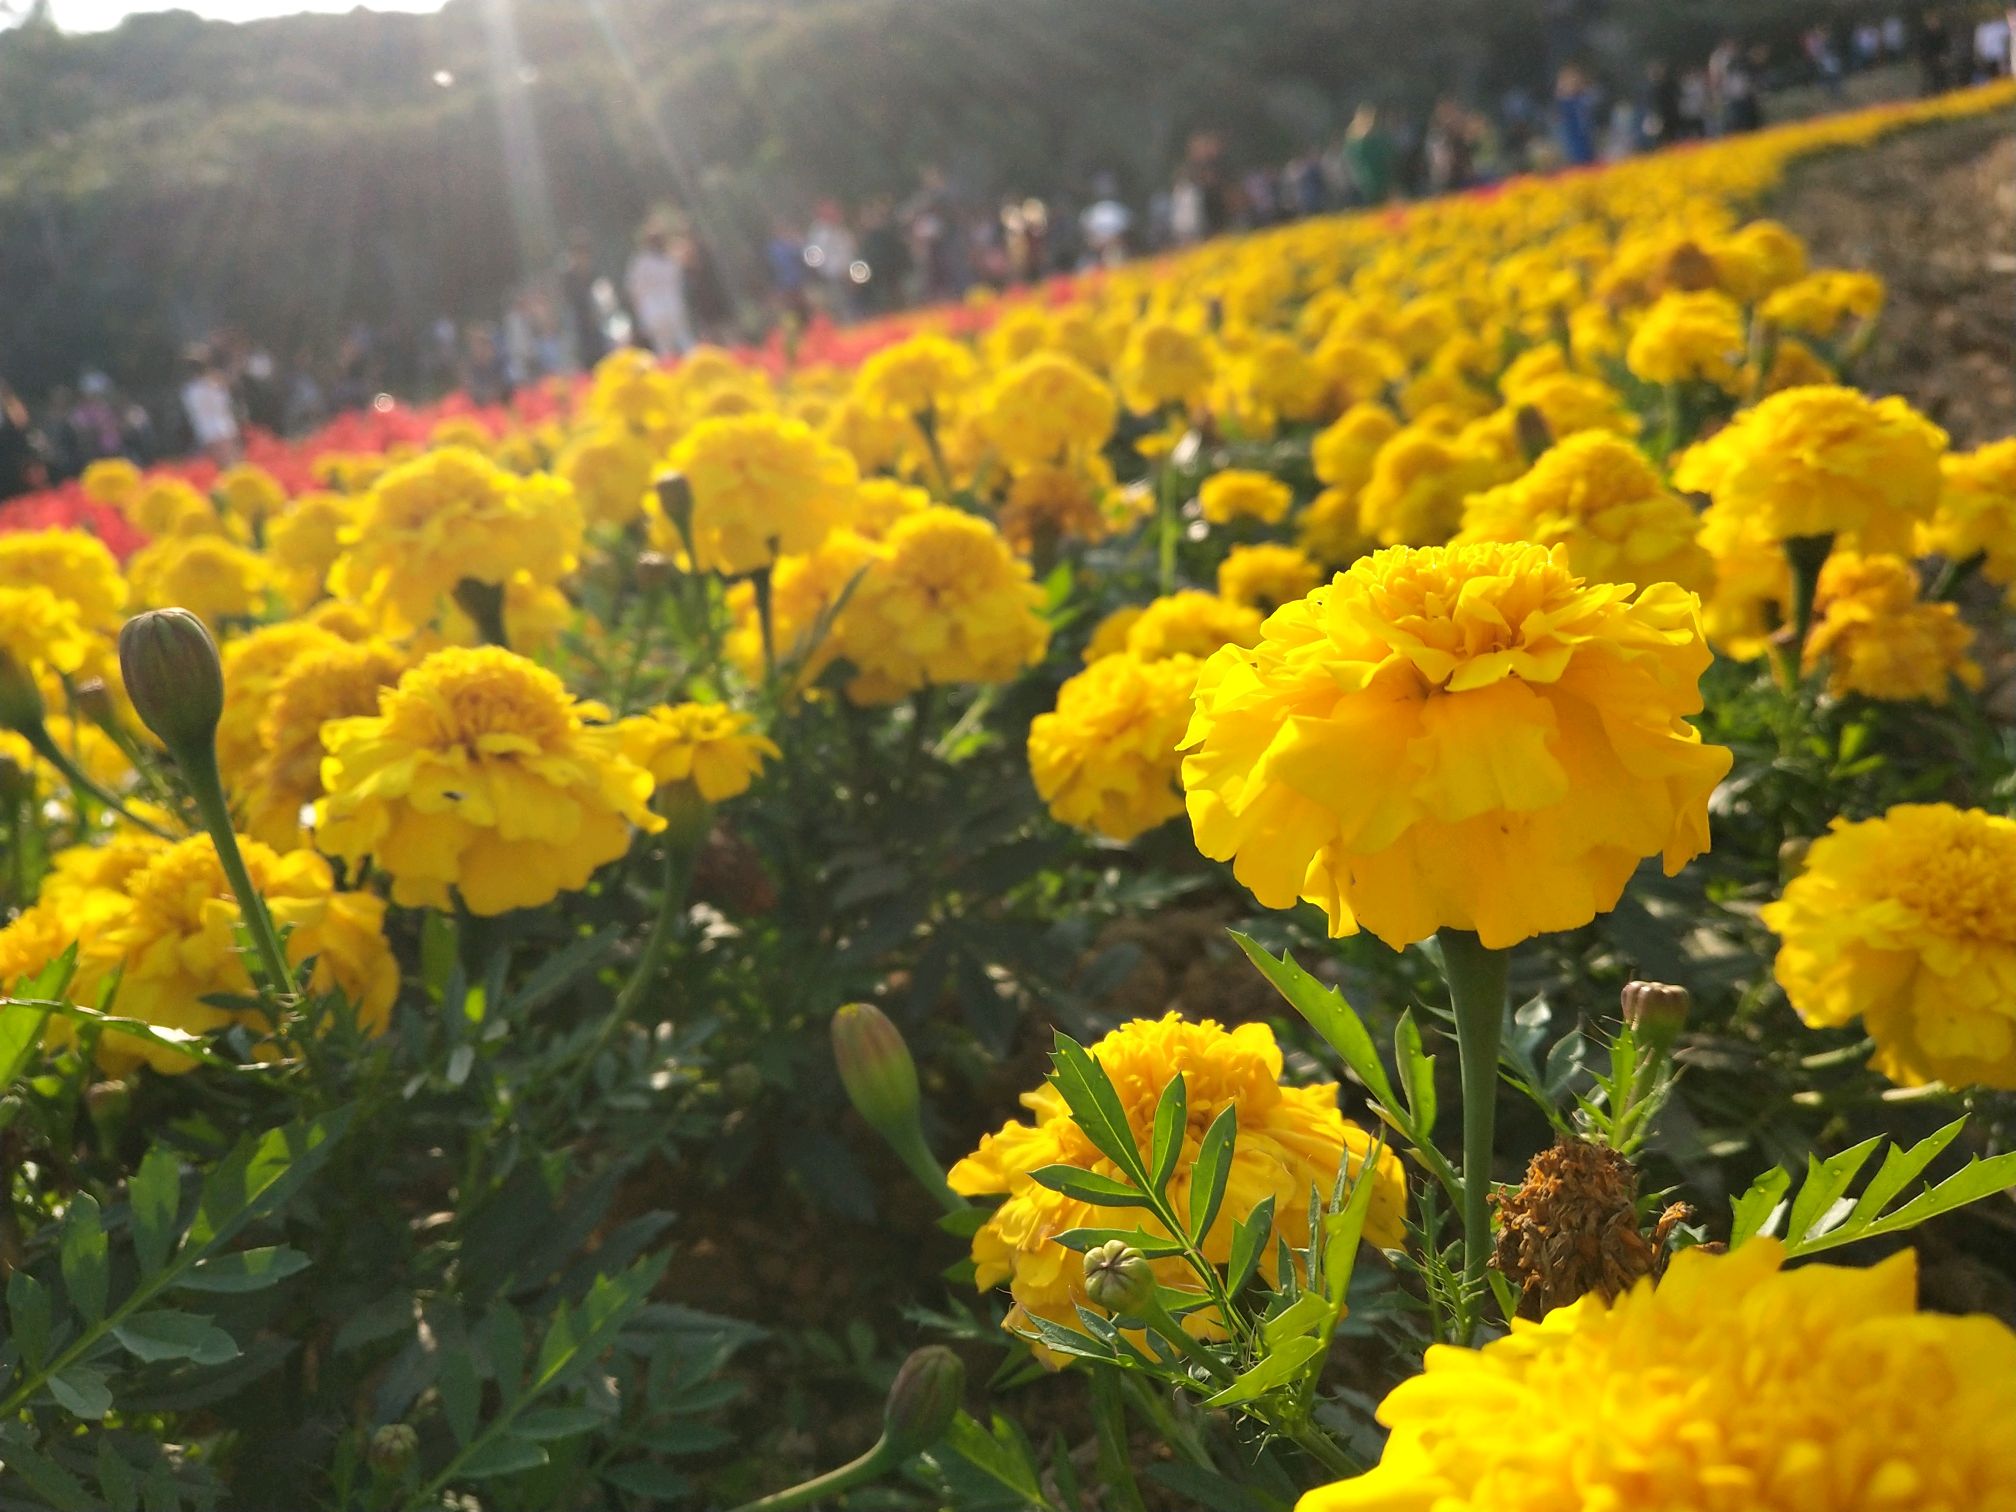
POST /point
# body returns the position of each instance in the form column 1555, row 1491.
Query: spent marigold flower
column 1908, row 922
column 1105, row 758
column 1731, row 1383
column 1880, row 640
column 1598, row 498
column 762, row 486
column 1266, row 575
column 717, row 749
column 1189, row 622
column 1239, row 493
column 481, row 776
column 1468, row 737
column 1290, row 1139
column 1823, row 461
column 1047, row 409
column 446, row 517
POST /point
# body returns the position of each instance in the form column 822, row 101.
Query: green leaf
column 1172, row 1121
column 1095, row 1107
column 82, row 1392
column 1977, row 1179
column 543, row 1424
column 1088, row 1186
column 1154, row 1246
column 564, row 968
column 116, row 1481
column 1899, row 1169
column 1277, row 1368
column 243, row 1270
column 28, row 1318
column 258, row 1176
column 461, row 1392
column 502, row 1455
column 1417, row 1073
column 163, row 1335
column 1328, row 1014
column 50, row 1482
column 1212, row 1170
column 504, row 1342
column 1307, row 1314
column 20, row 1035
column 86, row 1257
column 1344, row 1230
column 995, row 1455
column 1825, row 1181
column 652, row 1482
column 1757, row 1210
column 1249, row 1241
column 153, row 1197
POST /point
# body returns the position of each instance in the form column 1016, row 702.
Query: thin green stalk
column 1109, row 1419
column 80, row 781
column 1165, row 527
column 765, row 622
column 918, row 1160
column 824, row 1488
column 1806, row 555
column 1326, row 1451
column 1477, row 993
column 199, row 770
column 647, row 624
column 1157, row 1315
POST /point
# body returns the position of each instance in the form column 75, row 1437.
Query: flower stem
column 765, row 622
column 827, row 1487
column 1806, row 556
column 40, row 742
column 1477, row 993
column 199, row 770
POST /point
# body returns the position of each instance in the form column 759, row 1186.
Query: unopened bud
column 875, row 1066
column 174, row 677
column 92, row 699
column 924, row 1400
column 21, row 706
column 675, row 498
column 655, row 572
column 392, row 1447
column 1657, row 1010
column 1118, row 1277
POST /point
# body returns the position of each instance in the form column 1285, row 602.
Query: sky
column 100, row 15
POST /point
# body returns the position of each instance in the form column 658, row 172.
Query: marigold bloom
column 253, row 666
column 481, row 775
column 1105, row 758
column 923, row 375
column 609, row 469
column 41, row 633
column 72, row 564
column 1570, row 404
column 1240, row 493
column 1823, row 461
column 950, row 603
column 1467, row 737
column 1190, row 623
column 1163, row 364
column 1690, row 338
column 1343, row 451
column 1056, row 502
column 763, row 486
column 213, row 578
column 1880, row 640
column 1908, row 922
column 1290, row 1139
column 163, row 507
column 1731, row 1383
column 250, row 493
column 1109, row 636
column 1046, row 409
column 1330, row 531
column 1598, row 498
column 1820, row 304
column 451, row 515
column 1757, row 258
column 340, row 680
column 1976, row 513
column 1266, row 575
column 717, row 749
column 805, row 602
column 303, row 544
column 110, row 480
column 1418, row 484
column 878, row 503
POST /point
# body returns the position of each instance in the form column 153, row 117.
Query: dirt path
column 1934, row 213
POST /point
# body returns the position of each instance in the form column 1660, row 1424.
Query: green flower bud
column 1656, row 1010
column 93, row 700
column 1118, row 1277
column 675, row 498
column 924, row 1400
column 21, row 706
column 174, row 677
column 1792, row 857
column 392, row 1447
column 875, row 1067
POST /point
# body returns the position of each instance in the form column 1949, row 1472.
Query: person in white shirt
column 211, row 411
column 656, row 285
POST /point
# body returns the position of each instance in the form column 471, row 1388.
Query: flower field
column 1309, row 874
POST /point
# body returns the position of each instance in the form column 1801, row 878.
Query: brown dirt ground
column 1933, row 212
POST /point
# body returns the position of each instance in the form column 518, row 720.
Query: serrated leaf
column 82, row 1392
column 163, row 1335
column 502, row 1455
column 1277, row 1368
column 1825, row 1182
column 1249, row 1240
column 85, row 1257
column 243, row 1270
column 1328, row 1014
column 258, row 1176
column 1757, row 1210
column 1977, row 1179
column 152, row 1198
column 1089, row 1186
column 1899, row 1169
column 995, row 1456
column 1172, row 1121
column 1212, row 1170
column 1095, row 1106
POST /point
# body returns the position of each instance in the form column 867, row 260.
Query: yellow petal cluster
column 1267, row 575
column 717, row 749
column 1187, row 623
column 763, row 485
column 1693, row 337
column 1105, row 759
column 1880, row 640
column 1240, row 493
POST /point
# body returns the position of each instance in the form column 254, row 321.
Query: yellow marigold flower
column 41, row 633
column 1267, row 575
column 1760, row 257
column 170, row 507
column 1820, row 304
column 630, row 389
column 1794, row 365
column 717, row 749
column 1571, row 404
column 1690, row 338
column 1547, row 360
column 1109, row 636
column 249, row 492
column 1468, row 737
column 1418, row 484
column 1753, row 584
column 805, row 597
column 1908, row 922
column 1105, row 758
column 176, row 943
column 1190, row 622
column 1880, row 640
column 1164, row 364
column 84, row 743
column 880, row 502
column 1732, row 1383
column 480, row 775
column 1356, row 370
column 253, row 667
column 1239, row 493
column 1268, row 380
column 72, row 564
column 303, row 544
column 1343, row 451
column 876, row 438
column 1047, row 409
column 1056, row 502
column 609, row 469
column 338, row 680
column 1976, row 513
column 213, row 578
column 763, row 486
column 1290, row 1139
column 949, row 604
column 110, row 480
column 1330, row 529
column 1598, row 498
column 1823, row 461
column 918, row 376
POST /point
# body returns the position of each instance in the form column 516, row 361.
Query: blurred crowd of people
column 938, row 242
